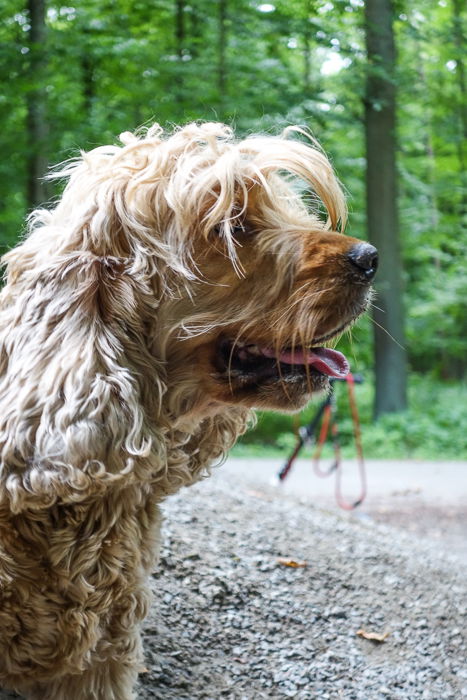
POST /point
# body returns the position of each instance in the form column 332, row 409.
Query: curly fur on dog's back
column 115, row 386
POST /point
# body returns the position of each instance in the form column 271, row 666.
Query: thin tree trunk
column 179, row 47
column 307, row 58
column 382, row 214
column 179, row 27
column 36, row 121
column 459, row 40
column 87, row 72
column 309, row 12
column 430, row 155
column 195, row 33
column 222, row 68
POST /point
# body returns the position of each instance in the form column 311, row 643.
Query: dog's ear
column 81, row 382
column 80, row 388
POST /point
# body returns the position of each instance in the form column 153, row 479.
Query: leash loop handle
column 342, row 502
column 326, row 415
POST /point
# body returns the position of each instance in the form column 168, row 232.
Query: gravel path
column 230, row 621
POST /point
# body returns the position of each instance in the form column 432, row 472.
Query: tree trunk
column 459, row 42
column 179, row 91
column 87, row 71
column 36, row 120
column 310, row 11
column 222, row 69
column 180, row 27
column 382, row 215
column 307, row 57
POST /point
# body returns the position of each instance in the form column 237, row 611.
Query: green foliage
column 118, row 64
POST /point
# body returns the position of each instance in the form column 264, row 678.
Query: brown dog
column 178, row 283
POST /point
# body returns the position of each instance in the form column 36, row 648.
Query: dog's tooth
column 243, row 349
column 253, row 350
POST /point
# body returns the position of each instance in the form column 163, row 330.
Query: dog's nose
column 364, row 258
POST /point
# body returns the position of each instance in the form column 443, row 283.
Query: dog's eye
column 237, row 229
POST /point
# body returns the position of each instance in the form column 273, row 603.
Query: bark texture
column 382, row 214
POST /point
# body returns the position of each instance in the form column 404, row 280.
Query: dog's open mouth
column 259, row 363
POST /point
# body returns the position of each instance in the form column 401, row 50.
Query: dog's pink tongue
column 327, row 361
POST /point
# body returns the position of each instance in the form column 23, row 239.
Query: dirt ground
column 426, row 499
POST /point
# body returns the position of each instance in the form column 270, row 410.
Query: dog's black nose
column 364, row 258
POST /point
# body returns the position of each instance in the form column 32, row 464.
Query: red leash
column 329, row 424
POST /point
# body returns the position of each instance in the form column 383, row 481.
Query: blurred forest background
column 76, row 75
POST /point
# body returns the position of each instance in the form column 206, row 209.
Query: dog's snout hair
column 180, row 281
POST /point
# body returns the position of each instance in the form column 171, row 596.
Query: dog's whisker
column 387, row 333
column 378, row 308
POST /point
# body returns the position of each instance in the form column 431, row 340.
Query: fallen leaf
column 373, row 636
column 258, row 494
column 292, row 563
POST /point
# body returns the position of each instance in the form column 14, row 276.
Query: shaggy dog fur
column 179, row 282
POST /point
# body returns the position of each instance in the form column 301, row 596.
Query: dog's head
column 179, row 282
column 221, row 257
column 273, row 283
